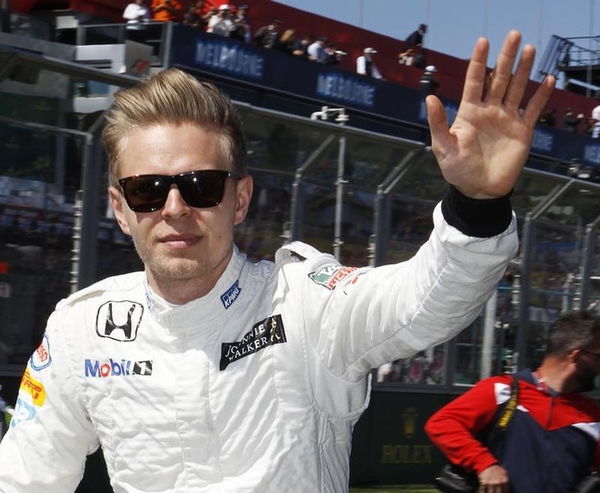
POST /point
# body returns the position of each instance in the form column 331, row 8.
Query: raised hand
column 484, row 151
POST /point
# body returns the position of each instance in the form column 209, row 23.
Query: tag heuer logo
column 330, row 275
column 119, row 320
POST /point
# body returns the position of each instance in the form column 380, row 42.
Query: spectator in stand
column 268, row 35
column 365, row 64
column 416, row 38
column 192, row 17
column 552, row 442
column 428, row 82
column 333, row 56
column 420, row 60
column 212, row 10
column 301, row 48
column 548, row 117
column 407, row 57
column 165, row 10
column 221, row 23
column 241, row 29
column 571, row 121
column 136, row 13
column 286, row 42
column 596, row 119
column 588, row 126
column 316, row 51
column 198, row 14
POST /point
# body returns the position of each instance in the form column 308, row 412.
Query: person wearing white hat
column 365, row 64
column 221, row 22
column 136, row 13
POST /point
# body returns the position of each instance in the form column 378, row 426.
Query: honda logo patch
column 119, row 320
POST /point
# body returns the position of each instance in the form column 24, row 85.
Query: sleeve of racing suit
column 50, row 434
column 453, row 427
column 376, row 315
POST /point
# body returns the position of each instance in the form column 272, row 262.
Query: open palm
column 484, row 151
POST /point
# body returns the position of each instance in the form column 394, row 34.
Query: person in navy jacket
column 552, row 442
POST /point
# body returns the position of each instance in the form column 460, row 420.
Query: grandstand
column 340, row 161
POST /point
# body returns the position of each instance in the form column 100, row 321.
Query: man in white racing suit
column 211, row 373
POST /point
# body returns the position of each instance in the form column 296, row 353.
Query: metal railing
column 155, row 34
column 564, row 54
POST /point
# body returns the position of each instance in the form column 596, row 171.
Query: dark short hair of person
column 173, row 97
column 572, row 330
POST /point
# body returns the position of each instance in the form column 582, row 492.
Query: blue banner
column 275, row 71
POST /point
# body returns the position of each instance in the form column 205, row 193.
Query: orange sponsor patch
column 34, row 388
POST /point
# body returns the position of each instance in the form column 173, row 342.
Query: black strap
column 453, row 478
column 507, row 413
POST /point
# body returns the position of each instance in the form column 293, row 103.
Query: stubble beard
column 172, row 269
column 190, row 270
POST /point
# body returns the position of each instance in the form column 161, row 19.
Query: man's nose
column 175, row 206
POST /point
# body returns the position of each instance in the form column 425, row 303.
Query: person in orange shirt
column 165, row 10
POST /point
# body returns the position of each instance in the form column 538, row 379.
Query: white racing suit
column 255, row 387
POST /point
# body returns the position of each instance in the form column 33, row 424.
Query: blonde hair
column 173, row 97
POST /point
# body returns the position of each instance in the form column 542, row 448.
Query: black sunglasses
column 148, row 193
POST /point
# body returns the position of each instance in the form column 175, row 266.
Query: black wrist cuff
column 481, row 218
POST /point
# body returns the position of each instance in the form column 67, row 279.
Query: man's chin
column 179, row 269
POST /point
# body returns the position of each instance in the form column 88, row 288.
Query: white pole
column 487, row 343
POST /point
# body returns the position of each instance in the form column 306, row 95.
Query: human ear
column 243, row 192
column 117, row 204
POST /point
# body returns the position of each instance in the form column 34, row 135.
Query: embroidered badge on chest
column 330, row 275
column 229, row 296
column 263, row 334
column 119, row 320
